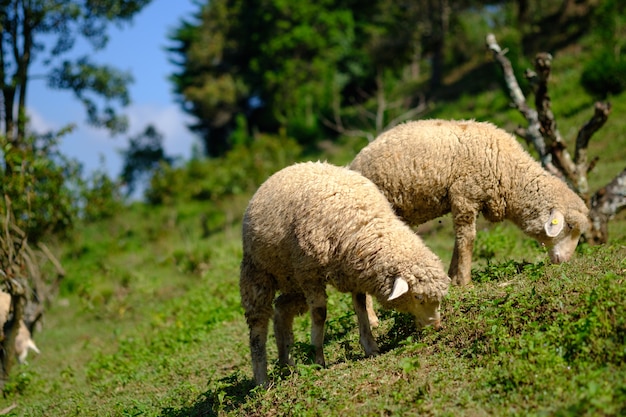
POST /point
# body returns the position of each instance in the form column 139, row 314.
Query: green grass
column 147, row 336
column 148, row 320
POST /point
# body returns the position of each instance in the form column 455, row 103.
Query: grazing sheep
column 429, row 168
column 313, row 224
column 23, row 340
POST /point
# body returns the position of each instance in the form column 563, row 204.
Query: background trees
column 341, row 66
column 34, row 174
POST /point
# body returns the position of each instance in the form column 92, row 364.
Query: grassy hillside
column 149, row 323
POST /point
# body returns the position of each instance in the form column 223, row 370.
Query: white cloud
column 169, row 120
column 38, row 123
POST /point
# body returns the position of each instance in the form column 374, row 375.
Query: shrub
column 40, row 184
column 604, row 75
column 101, row 196
column 242, row 169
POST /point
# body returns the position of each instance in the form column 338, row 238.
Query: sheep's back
column 419, row 164
column 312, row 215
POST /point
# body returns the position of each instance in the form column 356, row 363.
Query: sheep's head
column 562, row 232
column 423, row 305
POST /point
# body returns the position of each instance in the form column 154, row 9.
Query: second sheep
column 428, row 168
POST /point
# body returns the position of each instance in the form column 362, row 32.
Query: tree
column 47, row 30
column 209, row 85
column 144, row 155
column 272, row 63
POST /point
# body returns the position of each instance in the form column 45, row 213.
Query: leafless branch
column 543, row 133
column 532, row 134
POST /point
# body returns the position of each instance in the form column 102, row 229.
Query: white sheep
column 428, row 168
column 313, row 224
column 23, row 340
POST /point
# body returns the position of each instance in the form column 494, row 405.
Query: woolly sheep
column 23, row 340
column 429, row 168
column 314, row 223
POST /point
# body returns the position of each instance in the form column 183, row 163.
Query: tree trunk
column 440, row 18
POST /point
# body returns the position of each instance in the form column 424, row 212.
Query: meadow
column 148, row 321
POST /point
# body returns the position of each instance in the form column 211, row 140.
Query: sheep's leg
column 258, row 339
column 316, row 299
column 461, row 265
column 371, row 313
column 359, row 300
column 257, row 293
column 287, row 306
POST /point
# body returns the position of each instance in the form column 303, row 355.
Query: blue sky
column 138, row 47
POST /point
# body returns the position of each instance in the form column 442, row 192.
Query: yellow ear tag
column 555, row 221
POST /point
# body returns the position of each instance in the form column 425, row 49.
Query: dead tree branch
column 605, row 204
column 532, row 133
column 543, row 134
column 583, row 166
column 22, row 279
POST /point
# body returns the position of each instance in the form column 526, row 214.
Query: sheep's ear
column 400, row 286
column 555, row 224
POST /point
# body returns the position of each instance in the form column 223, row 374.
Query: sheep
column 23, row 340
column 429, row 168
column 313, row 224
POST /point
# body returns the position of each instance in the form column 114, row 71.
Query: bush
column 41, row 184
column 604, row 75
column 102, row 197
column 241, row 170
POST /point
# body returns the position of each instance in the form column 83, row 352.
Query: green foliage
column 303, row 68
column 40, row 183
column 84, row 78
column 604, row 75
column 144, row 155
column 242, row 169
column 61, row 23
column 101, row 197
column 323, row 69
column 18, row 383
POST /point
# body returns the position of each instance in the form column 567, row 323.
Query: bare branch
column 52, row 258
column 605, row 204
column 542, row 132
column 421, row 107
column 532, row 134
column 554, row 141
column 375, row 118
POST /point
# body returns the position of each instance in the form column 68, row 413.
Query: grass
column 144, row 334
column 148, row 321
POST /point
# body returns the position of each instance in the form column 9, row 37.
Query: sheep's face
column 426, row 312
column 562, row 234
column 423, row 306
